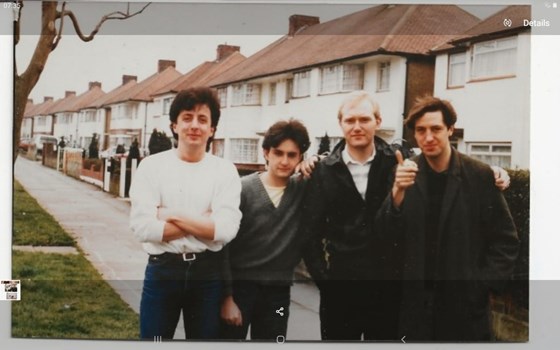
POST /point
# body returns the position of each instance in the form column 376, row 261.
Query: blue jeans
column 172, row 286
column 259, row 304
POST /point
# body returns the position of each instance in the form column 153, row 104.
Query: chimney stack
column 164, row 64
column 93, row 84
column 47, row 98
column 224, row 50
column 69, row 93
column 299, row 21
column 127, row 78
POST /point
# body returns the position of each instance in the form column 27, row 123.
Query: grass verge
column 33, row 225
column 63, row 296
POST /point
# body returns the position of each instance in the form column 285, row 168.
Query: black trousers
column 356, row 310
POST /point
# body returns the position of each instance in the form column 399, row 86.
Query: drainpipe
column 145, row 126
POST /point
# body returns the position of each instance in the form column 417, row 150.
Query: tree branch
column 17, row 28
column 119, row 15
column 59, row 35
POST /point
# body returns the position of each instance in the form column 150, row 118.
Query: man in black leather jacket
column 357, row 273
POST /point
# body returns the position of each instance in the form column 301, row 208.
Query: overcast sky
column 186, row 33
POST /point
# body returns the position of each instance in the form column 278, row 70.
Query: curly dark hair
column 287, row 130
column 188, row 99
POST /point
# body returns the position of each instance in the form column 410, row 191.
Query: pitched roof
column 493, row 26
column 61, row 102
column 76, row 103
column 29, row 109
column 201, row 74
column 43, row 107
column 119, row 90
column 142, row 91
column 393, row 29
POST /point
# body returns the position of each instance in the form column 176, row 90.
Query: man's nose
column 429, row 136
column 195, row 123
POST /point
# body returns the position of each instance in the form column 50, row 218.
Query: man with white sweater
column 185, row 208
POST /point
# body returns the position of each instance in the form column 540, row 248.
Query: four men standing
column 186, row 208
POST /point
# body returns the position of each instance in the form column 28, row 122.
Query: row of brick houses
column 396, row 52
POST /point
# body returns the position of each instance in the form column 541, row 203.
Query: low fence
column 72, row 162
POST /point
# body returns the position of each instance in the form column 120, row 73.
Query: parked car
column 112, row 152
column 24, row 144
column 39, row 140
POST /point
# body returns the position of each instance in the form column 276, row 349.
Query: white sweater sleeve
column 145, row 199
column 225, row 206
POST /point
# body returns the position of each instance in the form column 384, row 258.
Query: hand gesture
column 405, row 176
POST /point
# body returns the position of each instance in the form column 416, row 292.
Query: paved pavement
column 99, row 223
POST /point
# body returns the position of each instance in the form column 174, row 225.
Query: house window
column 244, row 150
column 246, row 94
column 272, row 94
column 343, row 77
column 42, row 121
column 90, row 116
column 494, row 58
column 218, row 147
column 237, row 95
column 329, row 79
column 222, row 95
column 491, row 153
column 289, row 89
column 302, row 81
column 252, row 94
column 456, row 69
column 383, row 76
column 167, row 105
column 352, row 77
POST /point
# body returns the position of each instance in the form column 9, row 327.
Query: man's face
column 282, row 160
column 432, row 135
column 194, row 127
column 358, row 124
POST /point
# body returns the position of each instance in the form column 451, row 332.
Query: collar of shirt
column 347, row 158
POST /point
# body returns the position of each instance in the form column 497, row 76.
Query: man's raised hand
column 405, row 175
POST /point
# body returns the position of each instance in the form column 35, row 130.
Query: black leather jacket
column 340, row 224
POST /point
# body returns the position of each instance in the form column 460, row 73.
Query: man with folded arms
column 185, row 208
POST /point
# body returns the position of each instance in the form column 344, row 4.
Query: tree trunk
column 25, row 82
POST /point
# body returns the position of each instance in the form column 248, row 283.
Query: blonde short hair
column 356, row 98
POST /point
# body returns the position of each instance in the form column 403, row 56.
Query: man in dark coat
column 355, row 271
column 458, row 236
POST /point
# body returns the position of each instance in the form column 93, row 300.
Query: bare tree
column 52, row 24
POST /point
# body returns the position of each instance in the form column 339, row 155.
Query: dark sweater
column 267, row 247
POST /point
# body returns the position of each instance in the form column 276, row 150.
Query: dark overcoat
column 477, row 245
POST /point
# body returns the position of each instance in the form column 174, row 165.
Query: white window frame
column 302, row 84
column 218, row 147
column 166, row 104
column 272, row 94
column 222, row 95
column 489, row 152
column 384, row 76
column 339, row 78
column 237, row 94
column 248, row 94
column 252, row 95
column 244, row 150
column 494, row 58
column 90, row 116
column 456, row 69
